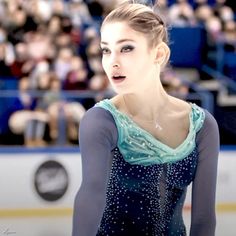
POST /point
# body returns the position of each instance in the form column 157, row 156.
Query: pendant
column 157, row 126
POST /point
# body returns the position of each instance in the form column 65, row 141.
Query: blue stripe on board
column 56, row 149
column 228, row 147
column 10, row 150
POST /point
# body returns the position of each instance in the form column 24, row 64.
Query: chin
column 123, row 91
column 123, row 88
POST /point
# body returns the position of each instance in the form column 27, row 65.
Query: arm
column 203, row 219
column 97, row 137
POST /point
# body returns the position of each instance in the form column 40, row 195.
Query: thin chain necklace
column 154, row 121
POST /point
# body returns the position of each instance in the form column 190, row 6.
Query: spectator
column 77, row 77
column 181, row 14
column 229, row 32
column 24, row 116
column 202, row 13
column 214, row 29
column 21, row 66
column 7, row 55
column 59, row 108
column 62, row 64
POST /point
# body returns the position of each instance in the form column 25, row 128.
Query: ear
column 162, row 54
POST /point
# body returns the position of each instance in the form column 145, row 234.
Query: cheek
column 104, row 65
column 139, row 67
column 105, row 68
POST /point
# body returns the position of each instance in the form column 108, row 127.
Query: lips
column 118, row 77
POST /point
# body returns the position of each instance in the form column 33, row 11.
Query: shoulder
column 208, row 135
column 97, row 113
column 210, row 122
column 98, row 121
column 97, row 116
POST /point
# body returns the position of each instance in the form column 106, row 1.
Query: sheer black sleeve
column 97, row 137
column 203, row 219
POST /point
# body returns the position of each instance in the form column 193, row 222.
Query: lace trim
column 139, row 147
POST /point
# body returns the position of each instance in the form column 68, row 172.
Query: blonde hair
column 142, row 19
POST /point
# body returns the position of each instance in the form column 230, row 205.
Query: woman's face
column 127, row 59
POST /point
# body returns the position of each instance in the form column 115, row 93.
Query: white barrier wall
column 226, row 188
column 42, row 180
column 226, row 181
column 39, row 180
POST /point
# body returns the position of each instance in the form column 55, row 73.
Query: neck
column 146, row 104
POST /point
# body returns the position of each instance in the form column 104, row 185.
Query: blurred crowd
column 218, row 17
column 52, row 46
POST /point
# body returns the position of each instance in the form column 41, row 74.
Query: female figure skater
column 142, row 148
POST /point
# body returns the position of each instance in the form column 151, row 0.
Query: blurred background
column 51, row 73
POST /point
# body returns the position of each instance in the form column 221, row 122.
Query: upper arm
column 97, row 136
column 204, row 184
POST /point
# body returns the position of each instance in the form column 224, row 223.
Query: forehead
column 115, row 31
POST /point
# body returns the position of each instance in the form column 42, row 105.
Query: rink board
column 45, row 181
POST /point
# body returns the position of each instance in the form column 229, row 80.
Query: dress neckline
column 138, row 146
column 166, row 146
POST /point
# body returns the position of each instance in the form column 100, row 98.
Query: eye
column 105, row 50
column 127, row 48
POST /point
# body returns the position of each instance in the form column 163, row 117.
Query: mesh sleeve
column 203, row 219
column 97, row 137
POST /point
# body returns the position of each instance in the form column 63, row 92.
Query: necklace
column 154, row 121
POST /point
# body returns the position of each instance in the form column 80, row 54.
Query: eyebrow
column 119, row 41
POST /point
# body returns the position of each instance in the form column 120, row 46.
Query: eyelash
column 104, row 50
column 127, row 48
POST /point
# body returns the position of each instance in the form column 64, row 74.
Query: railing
column 220, row 77
column 205, row 97
column 7, row 96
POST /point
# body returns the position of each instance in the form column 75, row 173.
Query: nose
column 115, row 65
column 114, row 61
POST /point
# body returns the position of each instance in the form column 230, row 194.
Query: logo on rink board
column 51, row 180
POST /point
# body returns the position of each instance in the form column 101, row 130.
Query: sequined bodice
column 147, row 200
